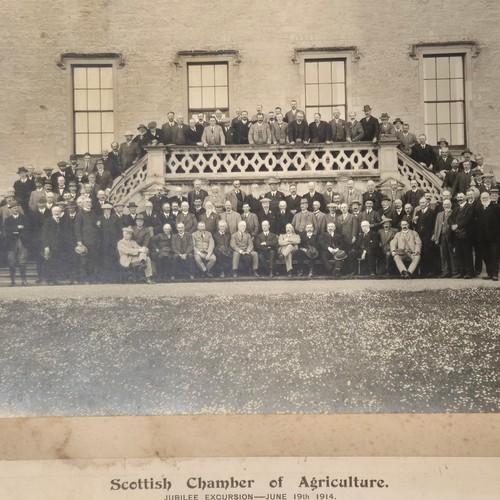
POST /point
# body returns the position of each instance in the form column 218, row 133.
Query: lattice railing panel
column 427, row 181
column 265, row 160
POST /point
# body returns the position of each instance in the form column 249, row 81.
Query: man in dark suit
column 196, row 192
column 141, row 139
column 273, row 194
column 111, row 234
column 229, row 132
column 298, row 130
column 265, row 213
column 166, row 217
column 111, row 165
column 178, row 197
column 443, row 163
column 371, row 216
column 167, row 129
column 338, row 129
column 372, row 195
column 129, row 152
column 442, row 238
column 291, row 115
column 283, row 217
column 23, row 188
column 242, row 128
column 424, row 219
column 371, row 126
column 151, row 218
column 366, row 248
column 467, row 158
column 37, row 219
column 462, row 180
column 52, row 245
column 413, row 195
column 423, row 153
column 313, row 195
column 222, row 250
column 293, row 199
column 87, row 232
column 461, row 223
column 16, row 242
column 153, row 134
column 451, row 175
column 319, row 131
column 179, row 132
column 103, row 178
column 266, row 245
column 308, row 250
column 161, row 253
column 329, row 244
column 489, row 235
column 193, row 133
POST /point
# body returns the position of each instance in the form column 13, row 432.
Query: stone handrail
column 132, row 183
column 410, row 169
column 258, row 162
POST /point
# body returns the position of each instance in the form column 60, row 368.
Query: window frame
column 114, row 62
column 207, row 110
column 348, row 54
column 229, row 57
column 467, row 50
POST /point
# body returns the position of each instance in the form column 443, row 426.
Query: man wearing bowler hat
column 23, row 188
column 371, row 126
column 16, row 241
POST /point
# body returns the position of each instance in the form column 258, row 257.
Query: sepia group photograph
column 249, row 209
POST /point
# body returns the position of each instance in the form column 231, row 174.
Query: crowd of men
column 65, row 223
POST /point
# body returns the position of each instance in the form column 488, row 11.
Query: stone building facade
column 425, row 61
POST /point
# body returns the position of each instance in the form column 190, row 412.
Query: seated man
column 406, row 247
column 133, row 255
column 367, row 247
column 222, row 249
column 266, row 244
column 203, row 249
column 161, row 253
column 331, row 245
column 182, row 248
column 242, row 245
column 308, row 250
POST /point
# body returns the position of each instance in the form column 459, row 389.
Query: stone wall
column 34, row 100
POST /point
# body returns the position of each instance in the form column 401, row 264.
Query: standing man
column 442, row 237
column 167, row 129
column 259, row 132
column 319, row 131
column 461, row 222
column 292, row 114
column 353, row 129
column 298, row 131
column 266, row 244
column 129, row 152
column 371, row 126
column 53, row 246
column 423, row 153
column 236, row 196
column 213, row 135
column 16, row 242
column 338, row 127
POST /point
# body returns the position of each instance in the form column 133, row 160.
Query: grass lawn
column 367, row 352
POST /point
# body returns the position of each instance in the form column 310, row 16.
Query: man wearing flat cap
column 63, row 171
column 387, row 130
column 153, row 134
